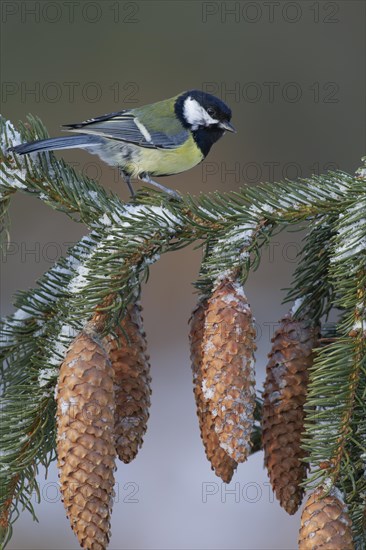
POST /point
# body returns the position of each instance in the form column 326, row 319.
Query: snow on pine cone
column 325, row 523
column 228, row 367
column 85, row 440
column 222, row 464
column 131, row 382
column 283, row 414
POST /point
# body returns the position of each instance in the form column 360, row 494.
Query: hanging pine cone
column 132, row 381
column 222, row 464
column 228, row 367
column 283, row 413
column 85, row 440
column 325, row 523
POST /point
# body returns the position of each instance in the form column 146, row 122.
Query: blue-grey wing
column 125, row 126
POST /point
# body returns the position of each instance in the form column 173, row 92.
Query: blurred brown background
column 294, row 75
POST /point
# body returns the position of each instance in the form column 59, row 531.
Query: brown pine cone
column 222, row 464
column 325, row 523
column 85, row 440
column 132, row 383
column 228, row 367
column 284, row 396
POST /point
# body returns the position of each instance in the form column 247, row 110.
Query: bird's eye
column 211, row 111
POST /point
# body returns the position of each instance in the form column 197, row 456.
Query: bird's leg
column 127, row 179
column 147, row 179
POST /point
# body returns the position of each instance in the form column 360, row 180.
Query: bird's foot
column 147, row 179
column 127, row 179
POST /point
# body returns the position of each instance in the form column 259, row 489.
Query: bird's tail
column 64, row 142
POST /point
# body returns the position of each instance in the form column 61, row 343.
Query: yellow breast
column 160, row 162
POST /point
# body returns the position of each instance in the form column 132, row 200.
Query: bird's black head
column 196, row 109
column 205, row 115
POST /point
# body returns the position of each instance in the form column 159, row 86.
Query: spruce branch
column 336, row 406
column 49, row 179
column 92, row 287
column 312, row 290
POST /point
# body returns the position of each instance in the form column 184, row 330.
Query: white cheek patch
column 196, row 115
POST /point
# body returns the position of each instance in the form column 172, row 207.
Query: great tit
column 160, row 139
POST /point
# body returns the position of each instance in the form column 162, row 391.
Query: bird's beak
column 226, row 125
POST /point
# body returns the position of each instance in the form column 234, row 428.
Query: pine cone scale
column 132, row 383
column 325, row 523
column 85, row 442
column 223, row 465
column 227, row 367
column 284, row 395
